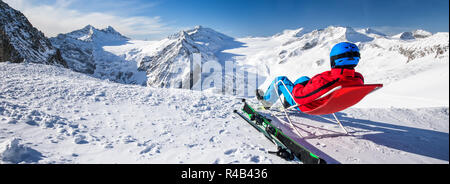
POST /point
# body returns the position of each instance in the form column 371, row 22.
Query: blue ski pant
column 271, row 94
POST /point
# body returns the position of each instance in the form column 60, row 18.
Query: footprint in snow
column 218, row 161
column 80, row 139
column 321, row 145
column 129, row 139
column 229, row 152
column 214, row 139
column 191, row 145
column 151, row 150
column 255, row 159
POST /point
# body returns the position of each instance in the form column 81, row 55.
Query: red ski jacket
column 324, row 82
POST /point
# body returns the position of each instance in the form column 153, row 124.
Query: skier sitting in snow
column 343, row 58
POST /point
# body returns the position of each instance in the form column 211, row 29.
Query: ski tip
column 235, row 111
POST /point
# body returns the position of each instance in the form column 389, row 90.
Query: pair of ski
column 287, row 147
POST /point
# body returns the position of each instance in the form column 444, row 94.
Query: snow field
column 73, row 118
column 54, row 115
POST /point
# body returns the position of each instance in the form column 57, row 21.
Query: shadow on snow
column 419, row 141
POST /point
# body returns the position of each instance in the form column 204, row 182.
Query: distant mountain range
column 83, row 51
column 107, row 54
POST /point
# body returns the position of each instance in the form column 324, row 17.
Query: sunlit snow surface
column 54, row 115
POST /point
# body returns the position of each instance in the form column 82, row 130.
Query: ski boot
column 260, row 97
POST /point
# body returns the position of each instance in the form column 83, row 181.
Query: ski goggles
column 345, row 55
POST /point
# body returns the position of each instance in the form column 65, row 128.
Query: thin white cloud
column 58, row 17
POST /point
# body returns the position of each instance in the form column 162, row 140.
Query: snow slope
column 53, row 115
column 84, row 52
column 425, row 89
column 49, row 114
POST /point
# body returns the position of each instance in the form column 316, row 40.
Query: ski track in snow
column 53, row 115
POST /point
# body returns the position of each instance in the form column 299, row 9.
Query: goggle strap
column 344, row 55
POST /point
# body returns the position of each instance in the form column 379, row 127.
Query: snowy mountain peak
column 199, row 27
column 336, row 34
column 183, row 35
column 371, row 31
column 86, row 51
column 288, row 33
column 200, row 31
column 201, row 34
column 419, row 33
column 354, row 36
column 110, row 29
column 171, row 63
column 341, row 33
column 91, row 34
column 309, row 53
column 411, row 35
column 407, row 36
column 88, row 28
column 207, row 38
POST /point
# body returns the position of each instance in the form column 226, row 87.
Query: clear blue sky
column 267, row 17
column 240, row 18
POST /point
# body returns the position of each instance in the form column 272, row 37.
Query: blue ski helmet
column 344, row 55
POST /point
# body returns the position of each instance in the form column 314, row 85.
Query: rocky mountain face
column 84, row 52
column 420, row 43
column 175, row 62
column 172, row 65
column 78, row 47
column 21, row 42
column 412, row 35
column 178, row 64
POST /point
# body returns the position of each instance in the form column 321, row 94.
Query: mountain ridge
column 84, row 51
column 169, row 64
column 21, row 42
column 107, row 54
column 91, row 34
